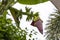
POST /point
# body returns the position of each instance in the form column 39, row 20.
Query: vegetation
column 53, row 27
column 7, row 30
column 31, row 2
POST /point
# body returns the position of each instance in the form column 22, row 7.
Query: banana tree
column 36, row 21
column 17, row 14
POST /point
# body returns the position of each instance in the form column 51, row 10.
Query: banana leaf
column 31, row 2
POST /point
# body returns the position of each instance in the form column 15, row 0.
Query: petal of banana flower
column 38, row 24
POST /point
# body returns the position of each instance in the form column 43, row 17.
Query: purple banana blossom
column 38, row 24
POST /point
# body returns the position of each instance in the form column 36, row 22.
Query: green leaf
column 14, row 13
column 9, row 21
column 30, row 35
column 31, row 2
column 4, row 13
column 27, row 9
column 0, row 3
column 53, row 27
column 33, row 38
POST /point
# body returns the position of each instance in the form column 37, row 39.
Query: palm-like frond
column 53, row 27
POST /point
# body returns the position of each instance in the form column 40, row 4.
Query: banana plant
column 7, row 4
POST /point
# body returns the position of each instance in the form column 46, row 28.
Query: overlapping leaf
column 31, row 2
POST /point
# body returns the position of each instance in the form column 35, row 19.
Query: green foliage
column 53, row 27
column 10, row 32
column 31, row 2
column 7, row 30
column 5, row 6
column 36, row 16
column 15, row 14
